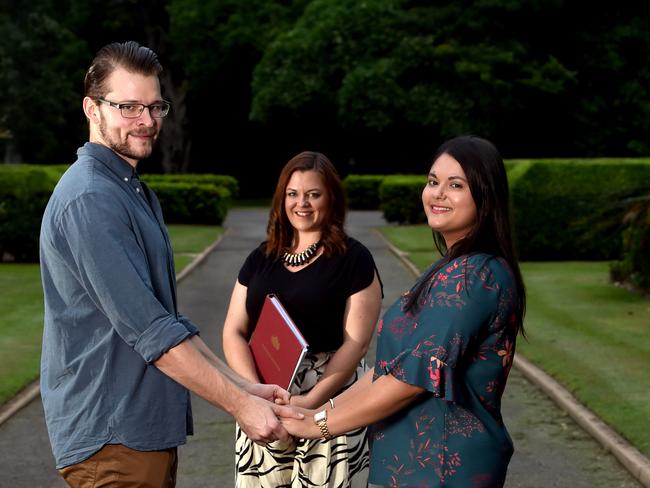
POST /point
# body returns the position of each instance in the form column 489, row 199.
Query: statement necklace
column 300, row 258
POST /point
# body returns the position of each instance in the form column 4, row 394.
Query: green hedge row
column 192, row 203
column 559, row 206
column 400, row 198
column 225, row 181
column 362, row 191
column 25, row 190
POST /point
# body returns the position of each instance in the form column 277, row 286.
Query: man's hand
column 272, row 393
column 258, row 418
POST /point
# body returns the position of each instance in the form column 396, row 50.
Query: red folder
column 277, row 345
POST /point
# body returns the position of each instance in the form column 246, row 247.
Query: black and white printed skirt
column 341, row 462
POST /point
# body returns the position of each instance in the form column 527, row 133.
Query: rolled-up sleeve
column 191, row 326
column 96, row 232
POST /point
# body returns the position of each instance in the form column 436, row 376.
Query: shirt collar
column 107, row 156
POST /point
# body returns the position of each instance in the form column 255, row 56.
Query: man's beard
column 122, row 148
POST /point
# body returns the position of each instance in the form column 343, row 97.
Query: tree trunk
column 11, row 153
column 174, row 142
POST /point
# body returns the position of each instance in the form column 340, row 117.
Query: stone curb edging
column 22, row 399
column 199, row 259
column 631, row 458
column 634, row 461
column 29, row 393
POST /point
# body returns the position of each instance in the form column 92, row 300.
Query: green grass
column 21, row 308
column 21, row 327
column 592, row 336
column 415, row 240
column 189, row 240
column 192, row 238
column 180, row 261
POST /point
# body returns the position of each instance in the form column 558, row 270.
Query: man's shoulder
column 85, row 176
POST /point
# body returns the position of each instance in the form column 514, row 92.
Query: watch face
column 320, row 416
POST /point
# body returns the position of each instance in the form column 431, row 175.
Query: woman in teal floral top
column 445, row 347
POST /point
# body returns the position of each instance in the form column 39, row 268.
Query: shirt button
column 126, row 179
column 138, row 190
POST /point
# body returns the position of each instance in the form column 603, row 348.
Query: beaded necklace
column 300, row 258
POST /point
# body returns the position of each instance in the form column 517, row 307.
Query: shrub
column 191, row 203
column 225, row 181
column 634, row 268
column 556, row 205
column 401, row 198
column 362, row 191
column 24, row 192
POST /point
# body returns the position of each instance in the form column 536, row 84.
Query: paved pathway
column 550, row 450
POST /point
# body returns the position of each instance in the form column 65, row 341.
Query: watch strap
column 322, row 425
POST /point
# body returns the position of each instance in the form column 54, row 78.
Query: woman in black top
column 328, row 283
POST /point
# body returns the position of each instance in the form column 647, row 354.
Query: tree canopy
column 376, row 84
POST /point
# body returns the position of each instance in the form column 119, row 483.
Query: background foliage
column 375, row 84
column 26, row 188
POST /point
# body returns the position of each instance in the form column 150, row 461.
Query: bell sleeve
column 429, row 346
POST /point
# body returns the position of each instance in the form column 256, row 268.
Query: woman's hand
column 304, row 429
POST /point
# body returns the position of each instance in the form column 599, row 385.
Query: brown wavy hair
column 280, row 232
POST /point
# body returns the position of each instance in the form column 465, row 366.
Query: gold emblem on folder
column 275, row 342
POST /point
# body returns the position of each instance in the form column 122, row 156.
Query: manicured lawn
column 21, row 308
column 21, row 326
column 192, row 239
column 415, row 240
column 592, row 336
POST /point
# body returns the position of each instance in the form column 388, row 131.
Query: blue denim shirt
column 110, row 311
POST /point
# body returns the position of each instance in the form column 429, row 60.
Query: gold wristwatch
column 321, row 420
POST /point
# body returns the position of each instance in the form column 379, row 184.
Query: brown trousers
column 117, row 466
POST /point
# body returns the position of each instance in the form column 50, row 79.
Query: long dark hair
column 492, row 231
column 280, row 233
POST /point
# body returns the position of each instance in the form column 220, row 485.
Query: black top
column 314, row 296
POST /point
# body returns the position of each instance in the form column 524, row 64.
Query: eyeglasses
column 134, row 110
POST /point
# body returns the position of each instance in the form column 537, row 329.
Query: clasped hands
column 305, row 427
column 270, row 414
column 260, row 412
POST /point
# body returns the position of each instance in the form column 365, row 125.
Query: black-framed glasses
column 129, row 110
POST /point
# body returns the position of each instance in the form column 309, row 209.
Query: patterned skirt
column 341, row 462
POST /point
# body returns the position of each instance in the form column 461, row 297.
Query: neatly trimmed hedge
column 362, row 191
column 225, row 181
column 401, row 198
column 398, row 196
column 558, row 206
column 24, row 192
column 191, row 203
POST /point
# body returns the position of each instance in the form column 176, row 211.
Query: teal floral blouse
column 459, row 346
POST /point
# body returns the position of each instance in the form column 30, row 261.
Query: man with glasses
column 118, row 358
